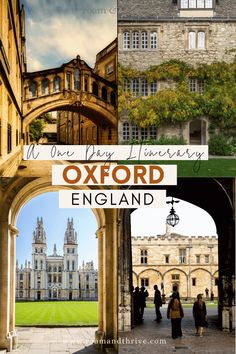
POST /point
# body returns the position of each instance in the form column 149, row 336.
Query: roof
column 153, row 9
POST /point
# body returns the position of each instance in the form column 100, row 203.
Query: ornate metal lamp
column 172, row 219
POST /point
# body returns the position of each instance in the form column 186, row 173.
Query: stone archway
column 217, row 197
column 14, row 194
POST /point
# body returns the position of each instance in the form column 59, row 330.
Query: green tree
column 36, row 129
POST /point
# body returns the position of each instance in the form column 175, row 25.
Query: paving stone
column 213, row 341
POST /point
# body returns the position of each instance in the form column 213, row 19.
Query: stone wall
column 157, row 271
column 173, row 43
column 166, row 8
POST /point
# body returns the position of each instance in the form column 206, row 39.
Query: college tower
column 56, row 277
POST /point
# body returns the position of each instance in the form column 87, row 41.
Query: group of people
column 174, row 311
column 139, row 303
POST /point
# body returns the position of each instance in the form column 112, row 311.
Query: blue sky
column 59, row 30
column 55, row 221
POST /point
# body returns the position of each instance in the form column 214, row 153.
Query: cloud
column 57, row 33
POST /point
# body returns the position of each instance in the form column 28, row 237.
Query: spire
column 70, row 234
column 39, row 235
column 55, row 250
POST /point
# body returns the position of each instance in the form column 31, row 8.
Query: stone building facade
column 190, row 263
column 76, row 128
column 12, row 67
column 56, row 277
column 87, row 94
column 153, row 32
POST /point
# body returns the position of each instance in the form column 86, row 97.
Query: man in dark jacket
column 137, row 304
column 143, row 295
column 158, row 303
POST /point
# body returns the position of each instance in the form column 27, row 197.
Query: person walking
column 199, row 314
column 158, row 303
column 175, row 313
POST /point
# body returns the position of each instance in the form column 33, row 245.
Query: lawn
column 58, row 313
column 214, row 167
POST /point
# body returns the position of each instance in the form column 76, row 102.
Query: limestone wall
column 173, row 43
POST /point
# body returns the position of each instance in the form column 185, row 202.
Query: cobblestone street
column 213, row 340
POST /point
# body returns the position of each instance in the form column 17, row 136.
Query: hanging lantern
column 172, row 219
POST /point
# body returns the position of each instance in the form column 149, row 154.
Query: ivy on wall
column 177, row 104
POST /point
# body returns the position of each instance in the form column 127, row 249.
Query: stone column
column 13, row 233
column 109, row 277
column 99, row 335
column 124, row 272
column 5, row 280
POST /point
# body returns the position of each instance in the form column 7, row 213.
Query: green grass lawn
column 58, row 313
column 218, row 167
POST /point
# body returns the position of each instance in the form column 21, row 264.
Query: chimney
column 168, row 230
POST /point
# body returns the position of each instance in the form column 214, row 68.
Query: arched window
column 126, row 40
column 73, row 265
column 201, row 40
column 95, row 89
column 68, row 265
column 55, row 269
column 104, row 93
column 33, row 89
column 113, row 98
column 153, row 40
column 41, row 264
column 197, row 40
column 36, row 264
column 56, row 84
column 126, row 132
column 192, row 40
column 45, row 87
column 76, row 80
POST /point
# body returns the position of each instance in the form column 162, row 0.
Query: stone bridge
column 72, row 87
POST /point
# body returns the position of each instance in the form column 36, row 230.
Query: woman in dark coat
column 175, row 313
column 199, row 314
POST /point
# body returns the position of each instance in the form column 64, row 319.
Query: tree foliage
column 176, row 104
column 36, row 129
